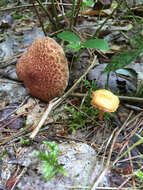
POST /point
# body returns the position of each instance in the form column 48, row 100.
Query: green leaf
column 75, row 46
column 69, row 37
column 16, row 15
column 139, row 174
column 87, row 3
column 122, row 60
column 63, row 171
column 4, row 153
column 50, row 161
column 96, row 43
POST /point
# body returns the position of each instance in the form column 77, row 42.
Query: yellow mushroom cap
column 105, row 100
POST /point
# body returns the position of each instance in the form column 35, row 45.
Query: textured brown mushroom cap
column 105, row 100
column 44, row 69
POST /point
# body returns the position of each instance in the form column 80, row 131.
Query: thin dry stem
column 31, row 5
column 4, row 118
column 122, row 98
column 44, row 117
column 39, row 18
column 108, row 165
column 62, row 12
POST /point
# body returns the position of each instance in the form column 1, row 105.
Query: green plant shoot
column 3, row 154
column 50, row 161
column 139, row 174
column 87, row 3
column 76, row 44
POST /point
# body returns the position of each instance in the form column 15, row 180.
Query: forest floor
column 73, row 149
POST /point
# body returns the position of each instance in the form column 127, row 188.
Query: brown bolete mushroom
column 104, row 100
column 44, row 69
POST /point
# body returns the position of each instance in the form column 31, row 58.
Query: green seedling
column 50, row 161
column 76, row 44
column 82, row 116
column 87, row 3
column 19, row 37
column 18, row 16
column 3, row 154
column 77, row 117
column 133, row 146
column 139, row 175
column 25, row 141
column 91, row 86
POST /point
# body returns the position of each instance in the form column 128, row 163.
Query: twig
column 108, row 166
column 130, row 148
column 9, row 61
column 126, row 123
column 44, row 117
column 18, row 178
column 55, row 13
column 125, row 98
column 15, row 109
column 100, row 27
column 129, row 177
column 135, row 118
column 31, row 5
column 15, row 136
column 48, row 14
column 132, row 99
column 39, row 18
column 133, row 107
column 98, row 188
column 131, row 164
column 77, row 11
column 53, row 104
column 62, row 12
column 73, row 12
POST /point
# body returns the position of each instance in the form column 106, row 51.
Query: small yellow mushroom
column 104, row 100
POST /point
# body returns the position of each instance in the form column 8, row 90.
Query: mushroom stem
column 101, row 115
